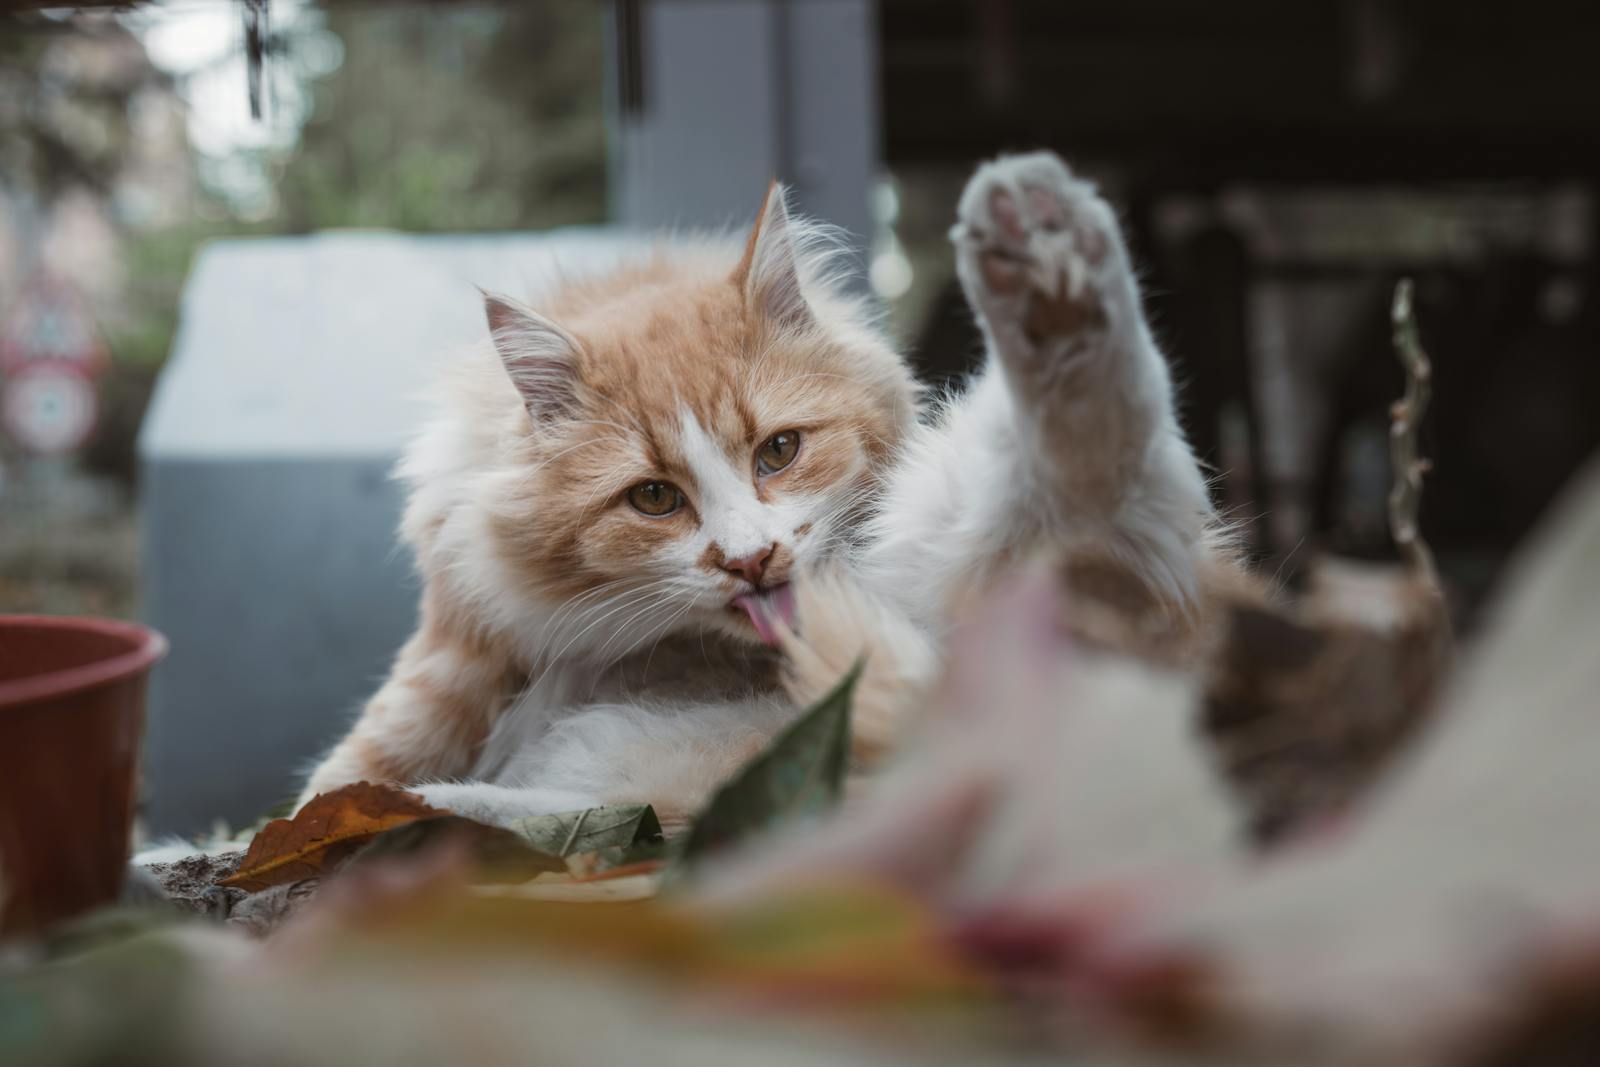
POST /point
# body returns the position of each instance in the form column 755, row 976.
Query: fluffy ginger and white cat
column 672, row 503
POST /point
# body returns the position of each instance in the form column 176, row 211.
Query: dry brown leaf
column 1308, row 702
column 324, row 832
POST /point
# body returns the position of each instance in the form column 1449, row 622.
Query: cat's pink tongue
column 766, row 609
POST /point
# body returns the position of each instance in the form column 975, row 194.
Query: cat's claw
column 1044, row 267
column 1038, row 250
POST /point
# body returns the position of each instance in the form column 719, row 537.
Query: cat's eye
column 655, row 498
column 778, row 452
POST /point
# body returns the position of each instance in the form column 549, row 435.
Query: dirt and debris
column 190, row 883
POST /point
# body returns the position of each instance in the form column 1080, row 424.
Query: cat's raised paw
column 1038, row 249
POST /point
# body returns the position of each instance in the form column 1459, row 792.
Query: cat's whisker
column 551, row 626
column 534, row 686
column 609, row 604
column 657, row 629
column 627, row 599
column 572, row 603
column 621, row 602
column 623, row 627
column 666, row 628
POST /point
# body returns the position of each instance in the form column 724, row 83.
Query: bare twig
column 255, row 38
column 1405, row 419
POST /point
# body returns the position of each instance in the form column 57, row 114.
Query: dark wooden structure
column 1184, row 99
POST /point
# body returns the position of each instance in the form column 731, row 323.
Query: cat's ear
column 540, row 357
column 769, row 273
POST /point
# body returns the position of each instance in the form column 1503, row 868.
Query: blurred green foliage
column 462, row 117
column 471, row 118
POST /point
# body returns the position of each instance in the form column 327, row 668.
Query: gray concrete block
column 285, row 595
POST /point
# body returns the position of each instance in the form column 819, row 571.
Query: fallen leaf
column 498, row 855
column 584, row 842
column 324, row 832
column 800, row 773
column 573, row 833
column 1309, row 703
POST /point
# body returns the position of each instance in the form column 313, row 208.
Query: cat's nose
column 752, row 567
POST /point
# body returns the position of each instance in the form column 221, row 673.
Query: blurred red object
column 72, row 694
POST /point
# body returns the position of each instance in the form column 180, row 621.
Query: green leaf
column 642, row 852
column 800, row 773
column 499, row 854
column 619, row 833
column 572, row 833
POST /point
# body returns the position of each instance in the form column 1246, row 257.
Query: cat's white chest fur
column 671, row 722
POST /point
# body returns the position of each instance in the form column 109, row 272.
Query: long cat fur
column 573, row 651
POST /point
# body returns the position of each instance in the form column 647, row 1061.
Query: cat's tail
column 838, row 622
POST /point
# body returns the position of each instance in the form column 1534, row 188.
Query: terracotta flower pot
column 71, row 715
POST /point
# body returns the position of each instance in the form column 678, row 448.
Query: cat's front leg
column 1045, row 268
column 429, row 717
column 500, row 805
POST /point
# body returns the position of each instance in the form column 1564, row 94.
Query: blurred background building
column 1278, row 166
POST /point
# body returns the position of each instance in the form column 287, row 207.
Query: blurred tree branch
column 1405, row 421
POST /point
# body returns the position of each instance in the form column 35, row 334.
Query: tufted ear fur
column 769, row 273
column 540, row 357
